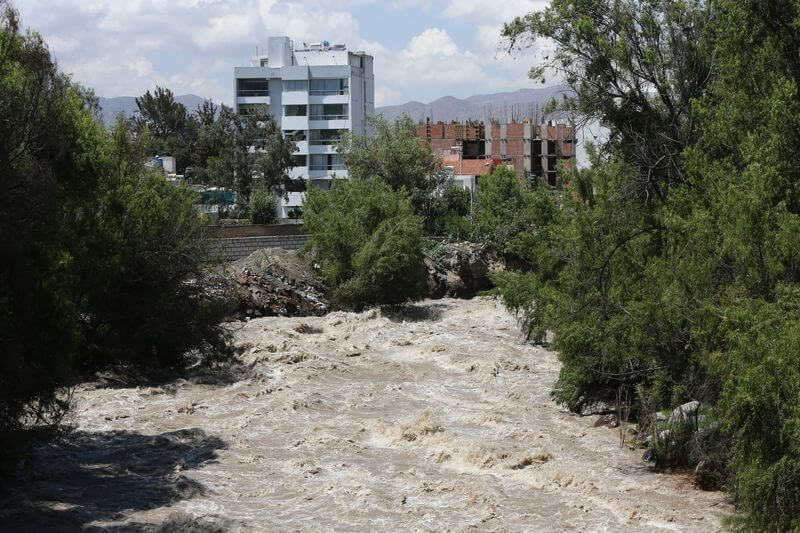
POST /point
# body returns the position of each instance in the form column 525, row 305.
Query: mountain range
column 504, row 106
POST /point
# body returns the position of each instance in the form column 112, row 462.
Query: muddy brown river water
column 436, row 418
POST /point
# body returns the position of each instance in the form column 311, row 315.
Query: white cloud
column 483, row 11
column 124, row 47
column 433, row 57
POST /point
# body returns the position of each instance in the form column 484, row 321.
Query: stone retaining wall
column 236, row 248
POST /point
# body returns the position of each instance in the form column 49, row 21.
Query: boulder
column 461, row 270
column 684, row 412
column 609, row 421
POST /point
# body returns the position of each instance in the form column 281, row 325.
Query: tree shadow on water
column 104, row 476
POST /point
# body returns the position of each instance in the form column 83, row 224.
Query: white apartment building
column 314, row 92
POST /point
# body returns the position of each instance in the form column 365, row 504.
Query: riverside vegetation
column 667, row 272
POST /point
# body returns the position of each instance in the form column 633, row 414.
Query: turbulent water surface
column 436, row 417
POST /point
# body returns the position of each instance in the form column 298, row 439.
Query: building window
column 295, row 110
column 299, row 160
column 322, row 87
column 325, row 136
column 329, row 112
column 551, row 148
column 253, row 109
column 295, row 135
column 291, row 86
column 326, row 162
column 252, row 87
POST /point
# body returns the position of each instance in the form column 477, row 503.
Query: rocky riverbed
column 430, row 417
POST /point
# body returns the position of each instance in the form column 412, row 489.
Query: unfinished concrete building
column 534, row 150
column 467, row 139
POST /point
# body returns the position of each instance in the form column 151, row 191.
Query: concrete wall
column 238, row 248
column 255, row 230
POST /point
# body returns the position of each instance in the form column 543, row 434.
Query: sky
column 423, row 49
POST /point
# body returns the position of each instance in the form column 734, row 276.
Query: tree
column 172, row 130
column 501, row 208
column 147, row 248
column 48, row 156
column 394, row 153
column 102, row 261
column 245, row 152
column 673, row 272
column 636, row 66
column 161, row 113
column 263, row 209
column 367, row 242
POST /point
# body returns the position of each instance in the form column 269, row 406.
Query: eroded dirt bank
column 436, row 418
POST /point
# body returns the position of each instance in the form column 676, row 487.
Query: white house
column 315, row 92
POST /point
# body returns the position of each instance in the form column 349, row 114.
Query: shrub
column 366, row 241
column 501, row 208
column 142, row 275
column 447, row 215
column 263, row 208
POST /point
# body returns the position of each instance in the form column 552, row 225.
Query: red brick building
column 534, row 150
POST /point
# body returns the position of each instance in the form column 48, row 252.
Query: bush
column 447, row 215
column 263, row 208
column 151, row 254
column 366, row 241
column 501, row 208
column 101, row 262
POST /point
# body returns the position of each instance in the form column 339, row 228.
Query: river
column 436, row 417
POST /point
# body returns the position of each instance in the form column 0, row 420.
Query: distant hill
column 127, row 106
column 514, row 105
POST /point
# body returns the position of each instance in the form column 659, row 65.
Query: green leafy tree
column 501, row 209
column 172, row 130
column 367, row 242
column 448, row 213
column 48, row 152
column 102, row 262
column 671, row 273
column 163, row 115
column 245, row 152
column 148, row 249
column 393, row 153
column 263, row 209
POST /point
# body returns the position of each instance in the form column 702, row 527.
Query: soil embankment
column 430, row 417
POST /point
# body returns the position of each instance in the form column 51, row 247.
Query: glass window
column 325, row 136
column 252, row 87
column 329, row 111
column 295, row 85
column 253, row 109
column 319, row 162
column 329, row 86
column 326, row 162
column 295, row 110
column 299, row 160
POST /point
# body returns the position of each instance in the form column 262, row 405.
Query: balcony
column 329, row 117
column 252, row 92
column 294, row 123
column 322, row 142
column 329, row 92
